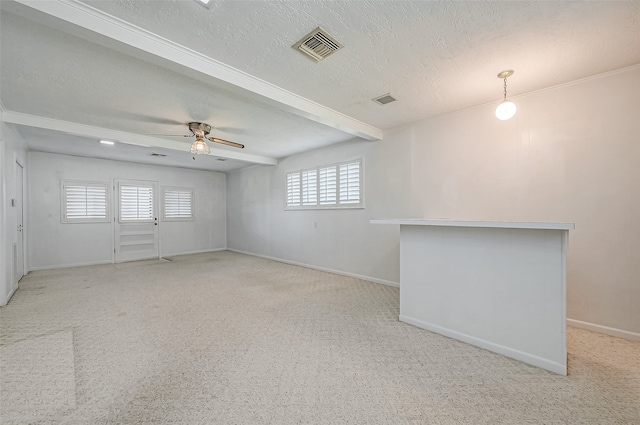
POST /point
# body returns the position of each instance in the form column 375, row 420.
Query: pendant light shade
column 506, row 109
column 200, row 147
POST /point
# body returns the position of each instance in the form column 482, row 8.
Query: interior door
column 19, row 254
column 136, row 220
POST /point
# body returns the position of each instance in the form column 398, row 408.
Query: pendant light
column 506, row 109
column 200, row 147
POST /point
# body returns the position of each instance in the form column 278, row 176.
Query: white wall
column 12, row 149
column 54, row 244
column 339, row 240
column 571, row 153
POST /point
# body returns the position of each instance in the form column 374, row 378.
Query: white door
column 19, row 254
column 136, row 220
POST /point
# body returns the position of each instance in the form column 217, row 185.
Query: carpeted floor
column 223, row 338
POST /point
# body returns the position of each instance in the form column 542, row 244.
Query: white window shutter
column 84, row 202
column 293, row 189
column 350, row 183
column 327, row 185
column 178, row 204
column 309, row 187
column 136, row 203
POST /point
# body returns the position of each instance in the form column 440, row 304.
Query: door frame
column 21, row 234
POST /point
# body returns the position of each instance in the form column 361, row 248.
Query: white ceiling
column 435, row 57
column 42, row 140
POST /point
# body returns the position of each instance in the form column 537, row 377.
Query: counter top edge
column 487, row 224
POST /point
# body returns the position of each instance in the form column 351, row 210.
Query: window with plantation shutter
column 326, row 187
column 309, row 187
column 350, row 183
column 84, row 202
column 293, row 189
column 178, row 204
column 136, row 203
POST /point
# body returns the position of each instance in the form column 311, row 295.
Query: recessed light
column 106, row 142
column 206, row 3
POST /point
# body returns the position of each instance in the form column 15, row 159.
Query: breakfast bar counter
column 497, row 285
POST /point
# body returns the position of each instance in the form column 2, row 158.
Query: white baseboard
column 98, row 263
column 604, row 329
column 6, row 300
column 496, row 348
column 192, row 252
column 65, row 266
column 11, row 294
column 322, row 269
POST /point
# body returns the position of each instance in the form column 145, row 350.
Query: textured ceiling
column 62, row 76
column 435, row 57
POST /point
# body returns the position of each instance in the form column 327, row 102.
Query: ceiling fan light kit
column 201, row 131
column 200, row 147
column 506, row 109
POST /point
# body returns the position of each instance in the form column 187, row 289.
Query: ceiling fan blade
column 226, row 142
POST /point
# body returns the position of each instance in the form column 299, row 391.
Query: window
column 84, row 202
column 178, row 204
column 136, row 203
column 330, row 186
column 309, row 187
column 293, row 189
column 350, row 183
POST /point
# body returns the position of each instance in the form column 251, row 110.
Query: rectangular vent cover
column 384, row 99
column 318, row 45
column 161, row 155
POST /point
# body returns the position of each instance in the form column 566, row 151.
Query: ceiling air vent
column 161, row 155
column 384, row 99
column 318, row 45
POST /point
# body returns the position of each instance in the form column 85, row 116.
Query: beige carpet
column 224, row 338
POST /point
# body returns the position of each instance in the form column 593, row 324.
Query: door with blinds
column 136, row 221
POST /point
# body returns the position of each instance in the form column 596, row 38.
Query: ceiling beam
column 98, row 133
column 92, row 19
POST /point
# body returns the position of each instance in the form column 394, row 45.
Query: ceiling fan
column 201, row 132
